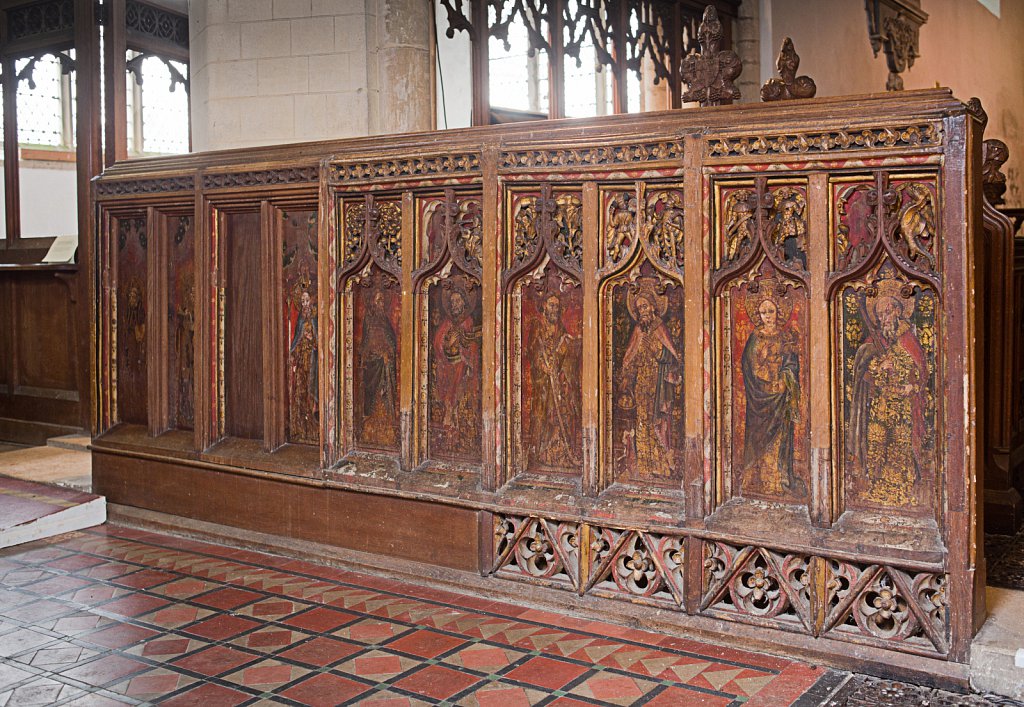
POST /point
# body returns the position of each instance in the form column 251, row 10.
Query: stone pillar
column 748, row 46
column 276, row 71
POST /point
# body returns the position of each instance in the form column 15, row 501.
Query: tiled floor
column 1005, row 559
column 114, row 615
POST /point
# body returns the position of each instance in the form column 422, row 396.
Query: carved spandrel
column 353, row 231
column 453, row 225
column 549, row 223
column 664, row 235
column 915, row 236
column 788, row 85
column 619, row 227
column 761, row 216
column 384, row 234
column 709, row 75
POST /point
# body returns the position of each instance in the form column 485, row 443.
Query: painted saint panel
column 551, row 360
column 451, row 327
column 132, row 276
column 765, row 400
column 647, row 378
column 887, row 329
column 181, row 320
column 299, row 256
column 376, row 337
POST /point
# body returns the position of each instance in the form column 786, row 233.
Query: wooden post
column 116, row 92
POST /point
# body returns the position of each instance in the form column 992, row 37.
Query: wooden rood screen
column 710, row 369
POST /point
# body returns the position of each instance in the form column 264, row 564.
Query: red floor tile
column 321, row 651
column 321, row 619
column 215, row 660
column 221, row 627
column 501, row 695
column 144, row 579
column 209, row 695
column 55, row 586
column 134, row 605
column 546, row 673
column 437, row 681
column 226, row 598
column 325, row 689
column 426, row 644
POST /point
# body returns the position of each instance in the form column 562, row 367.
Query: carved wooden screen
column 678, row 362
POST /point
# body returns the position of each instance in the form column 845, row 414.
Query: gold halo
column 768, row 289
column 891, row 288
column 646, row 287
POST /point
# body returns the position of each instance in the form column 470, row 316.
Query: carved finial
column 789, row 85
column 975, row 108
column 994, row 154
column 709, row 75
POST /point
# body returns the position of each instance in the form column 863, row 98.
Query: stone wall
column 276, row 71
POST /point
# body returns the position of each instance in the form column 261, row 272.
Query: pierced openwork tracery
column 758, row 583
column 537, row 549
column 636, row 565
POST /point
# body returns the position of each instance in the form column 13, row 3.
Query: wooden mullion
column 591, row 338
column 699, row 493
column 823, row 509
column 407, row 355
column 12, row 182
column 620, row 87
column 275, row 397
column 327, row 303
column 490, row 345
column 116, row 93
column 158, row 408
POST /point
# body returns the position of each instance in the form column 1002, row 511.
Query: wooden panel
column 181, row 321
column 363, row 522
column 46, row 351
column 299, row 266
column 7, row 343
column 243, row 327
column 132, row 287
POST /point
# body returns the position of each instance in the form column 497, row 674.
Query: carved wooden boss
column 718, row 364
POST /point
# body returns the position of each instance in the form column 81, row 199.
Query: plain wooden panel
column 45, row 344
column 364, row 522
column 243, row 329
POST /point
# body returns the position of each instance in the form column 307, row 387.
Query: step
column 31, row 511
column 997, row 652
column 78, row 442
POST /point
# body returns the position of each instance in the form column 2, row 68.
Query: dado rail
column 709, row 370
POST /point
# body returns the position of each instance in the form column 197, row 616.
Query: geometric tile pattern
column 120, row 616
column 1004, row 555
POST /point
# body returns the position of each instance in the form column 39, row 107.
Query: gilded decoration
column 620, row 225
column 132, row 306
column 664, row 227
column 888, row 211
column 765, row 405
column 299, row 269
column 761, row 215
column 384, row 234
column 887, row 326
column 181, row 386
column 898, row 137
column 353, row 230
column 646, row 378
column 451, row 326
